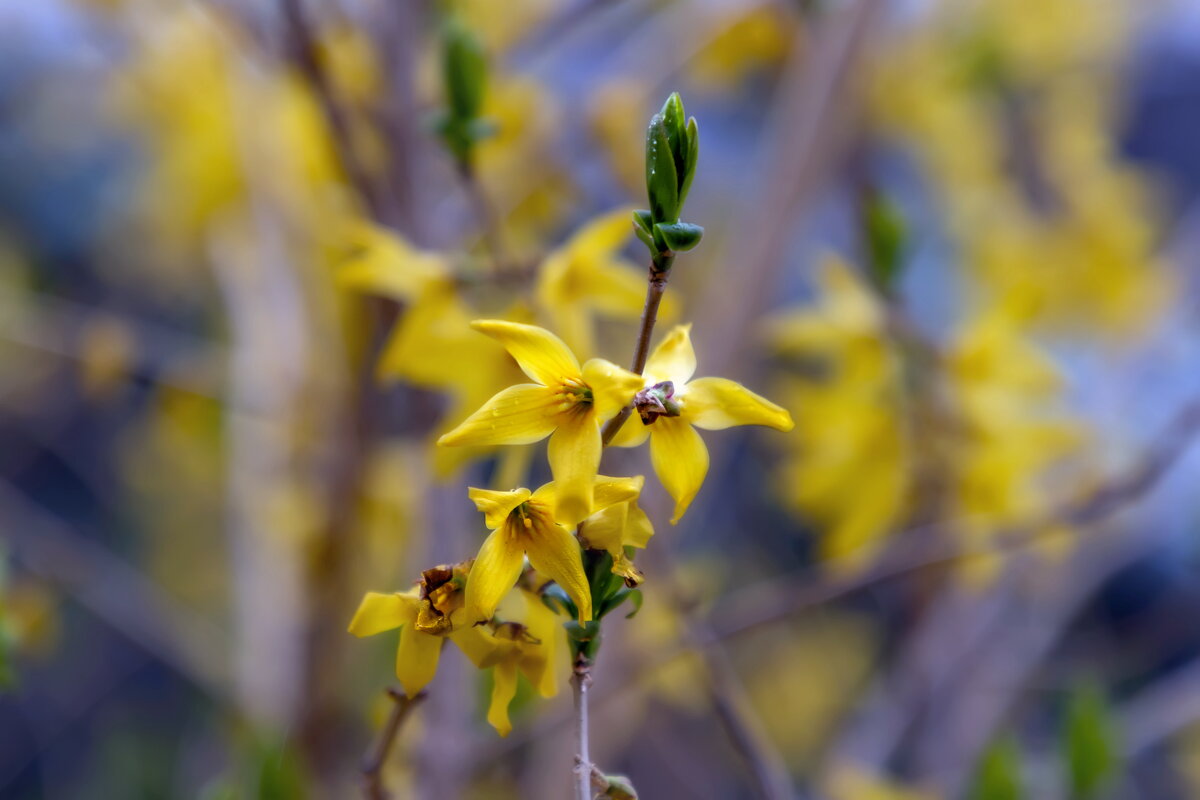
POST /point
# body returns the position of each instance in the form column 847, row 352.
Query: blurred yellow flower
column 850, row 470
column 587, row 275
column 568, row 403
column 531, row 647
column 524, row 523
column 672, row 403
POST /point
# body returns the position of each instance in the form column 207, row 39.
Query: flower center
column 574, row 394
column 656, row 401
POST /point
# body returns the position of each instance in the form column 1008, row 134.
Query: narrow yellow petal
column 680, row 460
column 504, row 689
column 496, row 569
column 632, row 434
column 380, row 612
column 610, row 491
column 417, row 659
column 612, row 387
column 574, row 454
column 521, row 414
column 384, row 263
column 673, row 359
column 555, row 553
column 602, row 235
column 717, row 403
column 542, row 355
column 614, row 289
column 496, row 506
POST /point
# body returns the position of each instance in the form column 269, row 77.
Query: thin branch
column 581, row 681
column 306, row 57
column 114, row 591
column 372, row 765
column 656, row 286
column 488, row 219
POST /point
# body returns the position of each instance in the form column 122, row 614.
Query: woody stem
column 656, row 286
column 581, row 680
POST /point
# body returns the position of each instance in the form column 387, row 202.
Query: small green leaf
column 662, row 182
column 689, row 165
column 679, row 236
column 887, row 241
column 998, row 776
column 618, row 787
column 643, row 220
column 557, row 600
column 636, row 598
column 464, row 70
column 674, row 122
column 1089, row 741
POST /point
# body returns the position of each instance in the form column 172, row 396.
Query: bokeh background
column 957, row 240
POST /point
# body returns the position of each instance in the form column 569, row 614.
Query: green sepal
column 584, row 638
column 662, row 179
column 464, row 69
column 678, row 236
column 689, row 162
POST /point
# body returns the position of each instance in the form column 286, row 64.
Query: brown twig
column 656, row 286
column 303, row 51
column 372, row 765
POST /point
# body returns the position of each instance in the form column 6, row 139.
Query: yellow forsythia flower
column 673, row 403
column 523, row 523
column 568, row 403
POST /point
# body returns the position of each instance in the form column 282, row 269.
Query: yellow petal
column 610, row 491
column 617, row 526
column 604, row 234
column 496, row 506
column 612, row 387
column 638, row 528
column 673, row 359
column 496, row 569
column 717, row 403
column 574, row 454
column 417, row 659
column 521, row 414
column 380, row 612
column 479, row 645
column 384, row 263
column 504, row 689
column 632, row 433
column 542, row 355
column 555, row 553
column 680, row 460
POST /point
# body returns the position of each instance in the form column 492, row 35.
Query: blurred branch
column 921, row 548
column 115, row 592
column 372, row 765
column 741, row 724
column 489, row 223
column 815, row 106
column 1161, row 710
column 303, row 51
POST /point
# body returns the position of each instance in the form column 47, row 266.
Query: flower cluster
column 567, row 548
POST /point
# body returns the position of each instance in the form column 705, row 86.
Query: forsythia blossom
column 671, row 403
column 568, row 403
column 523, row 523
